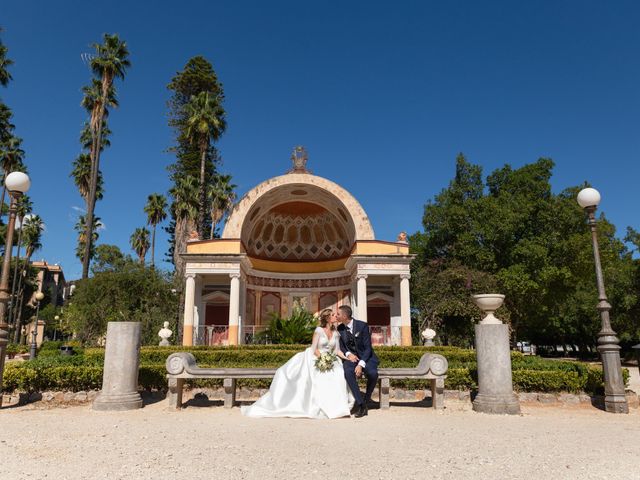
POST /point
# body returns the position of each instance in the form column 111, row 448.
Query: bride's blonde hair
column 324, row 318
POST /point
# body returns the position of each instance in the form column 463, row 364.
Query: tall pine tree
column 196, row 77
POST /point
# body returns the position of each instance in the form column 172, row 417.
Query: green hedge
column 83, row 371
column 275, row 355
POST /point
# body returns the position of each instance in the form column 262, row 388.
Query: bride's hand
column 317, row 353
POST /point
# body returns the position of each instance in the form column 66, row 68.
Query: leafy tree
column 139, row 241
column 110, row 62
column 109, row 258
column 156, row 210
column 131, row 292
column 534, row 244
column 441, row 298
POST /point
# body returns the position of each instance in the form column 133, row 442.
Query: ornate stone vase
column 489, row 303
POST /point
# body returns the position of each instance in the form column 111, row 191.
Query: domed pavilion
column 295, row 241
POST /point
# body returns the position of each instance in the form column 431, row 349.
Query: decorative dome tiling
column 298, row 231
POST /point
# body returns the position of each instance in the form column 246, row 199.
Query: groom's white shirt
column 362, row 363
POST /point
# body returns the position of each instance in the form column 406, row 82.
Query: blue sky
column 382, row 94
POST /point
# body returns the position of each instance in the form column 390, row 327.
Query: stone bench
column 182, row 366
column 432, row 367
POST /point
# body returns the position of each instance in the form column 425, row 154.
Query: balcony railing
column 219, row 335
column 385, row 335
column 212, row 335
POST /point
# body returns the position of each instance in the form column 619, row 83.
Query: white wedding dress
column 300, row 390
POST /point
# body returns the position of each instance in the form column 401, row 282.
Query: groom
column 355, row 342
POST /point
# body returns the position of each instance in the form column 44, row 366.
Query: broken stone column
column 121, row 360
column 495, row 383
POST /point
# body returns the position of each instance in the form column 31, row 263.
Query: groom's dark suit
column 358, row 342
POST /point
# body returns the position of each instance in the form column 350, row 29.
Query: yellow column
column 234, row 308
column 189, row 303
column 405, row 313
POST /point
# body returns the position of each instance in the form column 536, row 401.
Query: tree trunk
column 4, row 191
column 183, row 227
column 12, row 312
column 203, row 190
column 153, row 247
column 95, row 167
column 19, row 297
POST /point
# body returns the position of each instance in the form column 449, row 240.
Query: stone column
column 120, row 376
column 495, row 385
column 199, row 312
column 189, row 303
column 362, row 297
column 405, row 310
column 234, row 308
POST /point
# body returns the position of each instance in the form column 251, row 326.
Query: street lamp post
column 615, row 400
column 34, row 334
column 17, row 183
column 55, row 330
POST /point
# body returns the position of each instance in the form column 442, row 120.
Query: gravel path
column 401, row 443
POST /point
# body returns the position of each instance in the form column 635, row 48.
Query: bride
column 300, row 390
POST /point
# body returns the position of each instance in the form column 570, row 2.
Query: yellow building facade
column 296, row 240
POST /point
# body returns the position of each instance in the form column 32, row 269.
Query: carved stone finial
column 402, row 237
column 299, row 157
column 164, row 334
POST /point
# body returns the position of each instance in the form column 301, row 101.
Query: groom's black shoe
column 362, row 411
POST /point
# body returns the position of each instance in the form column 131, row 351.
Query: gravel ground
column 402, row 443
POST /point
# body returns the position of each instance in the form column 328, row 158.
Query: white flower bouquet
column 324, row 363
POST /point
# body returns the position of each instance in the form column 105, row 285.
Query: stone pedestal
column 495, row 385
column 121, row 360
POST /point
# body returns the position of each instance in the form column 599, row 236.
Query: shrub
column 84, row 371
column 13, row 349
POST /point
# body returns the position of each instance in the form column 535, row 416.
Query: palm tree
column 31, row 238
column 5, row 76
column 156, row 210
column 185, row 211
column 86, row 137
column 221, row 197
column 80, row 227
column 205, row 123
column 81, row 174
column 24, row 208
column 111, row 61
column 11, row 160
column 92, row 101
column 139, row 242
column 6, row 127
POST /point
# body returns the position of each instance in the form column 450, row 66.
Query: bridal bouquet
column 324, row 363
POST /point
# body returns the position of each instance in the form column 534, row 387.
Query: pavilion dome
column 298, row 217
